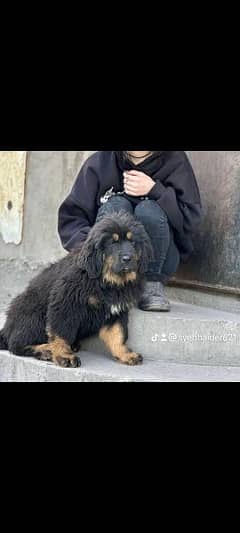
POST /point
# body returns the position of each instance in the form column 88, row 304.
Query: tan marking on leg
column 56, row 350
column 50, row 334
column 113, row 337
column 41, row 351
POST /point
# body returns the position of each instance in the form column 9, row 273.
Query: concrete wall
column 48, row 179
column 217, row 261
column 217, row 257
column 12, row 193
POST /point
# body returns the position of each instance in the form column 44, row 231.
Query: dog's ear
column 93, row 259
column 146, row 252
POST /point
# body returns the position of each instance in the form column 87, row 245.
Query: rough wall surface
column 48, row 180
column 217, row 257
column 12, row 187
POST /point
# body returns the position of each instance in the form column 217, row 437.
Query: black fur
column 3, row 343
column 58, row 299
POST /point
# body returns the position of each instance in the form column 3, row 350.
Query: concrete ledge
column 221, row 302
column 189, row 334
column 15, row 275
column 97, row 368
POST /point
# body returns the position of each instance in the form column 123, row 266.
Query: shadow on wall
column 216, row 259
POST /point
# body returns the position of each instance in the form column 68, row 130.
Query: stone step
column 218, row 300
column 188, row 335
column 99, row 368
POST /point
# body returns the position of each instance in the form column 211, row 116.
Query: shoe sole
column 155, row 308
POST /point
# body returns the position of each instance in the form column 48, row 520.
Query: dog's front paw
column 70, row 361
column 130, row 359
column 134, row 359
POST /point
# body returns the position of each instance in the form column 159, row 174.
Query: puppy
column 89, row 292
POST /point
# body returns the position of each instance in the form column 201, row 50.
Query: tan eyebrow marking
column 116, row 237
column 129, row 235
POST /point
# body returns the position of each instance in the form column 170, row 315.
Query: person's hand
column 137, row 183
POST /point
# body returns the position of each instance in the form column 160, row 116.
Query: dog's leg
column 56, row 351
column 114, row 339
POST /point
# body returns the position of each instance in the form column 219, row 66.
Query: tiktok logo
column 162, row 338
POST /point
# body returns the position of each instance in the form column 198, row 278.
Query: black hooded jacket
column 176, row 191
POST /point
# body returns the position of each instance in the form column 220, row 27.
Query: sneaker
column 155, row 298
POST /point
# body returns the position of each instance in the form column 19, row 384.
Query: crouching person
column 159, row 188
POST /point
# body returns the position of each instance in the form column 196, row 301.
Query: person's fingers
column 131, row 185
column 134, row 187
column 132, row 180
column 131, row 190
column 131, row 193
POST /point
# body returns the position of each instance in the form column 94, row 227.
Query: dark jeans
column 166, row 254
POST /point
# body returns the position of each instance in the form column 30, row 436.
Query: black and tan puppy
column 88, row 292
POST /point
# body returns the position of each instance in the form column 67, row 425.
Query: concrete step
column 99, row 368
column 189, row 335
column 220, row 301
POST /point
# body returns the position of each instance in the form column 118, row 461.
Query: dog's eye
column 115, row 237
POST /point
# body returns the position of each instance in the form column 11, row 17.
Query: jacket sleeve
column 179, row 197
column 78, row 212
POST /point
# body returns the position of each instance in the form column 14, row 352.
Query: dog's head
column 118, row 249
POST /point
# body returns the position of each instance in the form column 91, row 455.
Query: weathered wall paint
column 12, row 186
column 49, row 178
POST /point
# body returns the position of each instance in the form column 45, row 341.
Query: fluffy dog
column 88, row 292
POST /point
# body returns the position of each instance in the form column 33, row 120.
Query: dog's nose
column 126, row 258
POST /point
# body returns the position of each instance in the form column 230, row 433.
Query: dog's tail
column 3, row 343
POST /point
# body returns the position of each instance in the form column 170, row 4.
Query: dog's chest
column 117, row 309
column 110, row 306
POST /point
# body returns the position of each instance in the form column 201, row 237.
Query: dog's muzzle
column 126, row 264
